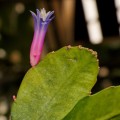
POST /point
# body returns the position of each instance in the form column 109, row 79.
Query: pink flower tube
column 41, row 21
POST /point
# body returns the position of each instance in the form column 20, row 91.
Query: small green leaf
column 105, row 105
column 50, row 90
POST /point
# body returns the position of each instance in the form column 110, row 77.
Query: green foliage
column 104, row 105
column 59, row 88
column 50, row 90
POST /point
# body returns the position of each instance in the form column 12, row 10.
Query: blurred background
column 91, row 23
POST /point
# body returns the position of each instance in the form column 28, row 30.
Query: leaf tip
column 53, row 52
column 90, row 50
column 68, row 47
column 93, row 52
column 90, row 93
column 79, row 46
column 14, row 97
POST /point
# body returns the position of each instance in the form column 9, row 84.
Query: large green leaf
column 50, row 90
column 105, row 105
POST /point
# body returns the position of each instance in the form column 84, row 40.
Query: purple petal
column 49, row 15
column 38, row 19
column 35, row 19
column 38, row 13
column 52, row 18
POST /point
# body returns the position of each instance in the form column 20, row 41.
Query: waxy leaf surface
column 50, row 90
column 104, row 105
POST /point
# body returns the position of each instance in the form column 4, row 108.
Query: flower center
column 43, row 14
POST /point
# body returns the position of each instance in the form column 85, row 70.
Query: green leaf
column 105, row 105
column 117, row 117
column 50, row 90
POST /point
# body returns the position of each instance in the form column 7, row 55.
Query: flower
column 41, row 21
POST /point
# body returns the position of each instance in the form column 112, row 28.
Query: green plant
column 59, row 87
column 61, row 83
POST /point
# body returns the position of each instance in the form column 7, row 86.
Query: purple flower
column 41, row 21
